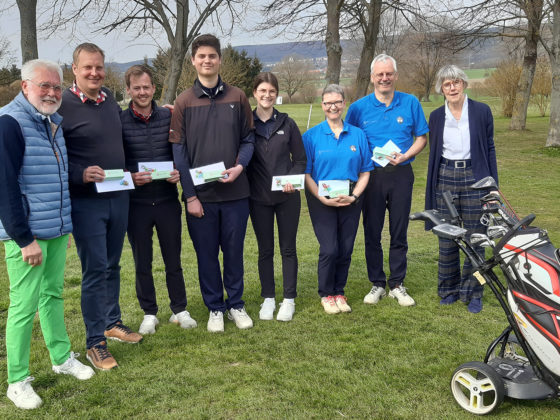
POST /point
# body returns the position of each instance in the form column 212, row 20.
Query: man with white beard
column 34, row 225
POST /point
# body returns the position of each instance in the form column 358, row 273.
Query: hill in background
column 487, row 53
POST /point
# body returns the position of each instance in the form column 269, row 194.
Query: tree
column 307, row 19
column 332, row 41
column 552, row 47
column 365, row 21
column 28, row 27
column 181, row 21
column 540, row 92
column 503, row 83
column 368, row 16
column 359, row 18
column 238, row 69
column 159, row 69
column 67, row 75
column 6, row 53
column 423, row 55
column 293, row 74
column 534, row 13
column 114, row 80
column 507, row 19
column 8, row 75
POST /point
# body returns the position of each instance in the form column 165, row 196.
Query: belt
column 457, row 164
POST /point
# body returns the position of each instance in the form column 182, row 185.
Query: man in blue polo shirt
column 389, row 115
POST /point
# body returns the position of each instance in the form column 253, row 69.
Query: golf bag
column 532, row 267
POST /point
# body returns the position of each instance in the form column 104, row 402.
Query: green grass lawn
column 382, row 362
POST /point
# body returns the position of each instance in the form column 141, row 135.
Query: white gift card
column 207, row 173
column 158, row 170
column 297, row 181
column 155, row 166
column 334, row 188
column 380, row 153
column 124, row 183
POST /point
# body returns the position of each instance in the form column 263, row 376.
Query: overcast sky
column 118, row 46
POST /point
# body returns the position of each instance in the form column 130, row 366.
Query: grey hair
column 450, row 72
column 30, row 67
column 333, row 89
column 383, row 57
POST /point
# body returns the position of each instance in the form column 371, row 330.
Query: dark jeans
column 335, row 228
column 166, row 217
column 99, row 229
column 287, row 218
column 389, row 188
column 223, row 226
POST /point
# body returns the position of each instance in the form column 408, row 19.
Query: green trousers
column 31, row 289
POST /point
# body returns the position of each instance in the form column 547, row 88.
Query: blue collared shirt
column 400, row 122
column 332, row 158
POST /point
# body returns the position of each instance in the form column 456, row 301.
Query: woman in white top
column 461, row 153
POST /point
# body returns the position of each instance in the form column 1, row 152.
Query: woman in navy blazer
column 461, row 153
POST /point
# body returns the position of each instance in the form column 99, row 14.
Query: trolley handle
column 448, row 200
column 526, row 221
column 428, row 216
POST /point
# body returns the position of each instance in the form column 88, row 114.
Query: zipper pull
column 57, row 158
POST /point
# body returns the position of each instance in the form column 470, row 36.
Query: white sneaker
column 267, row 309
column 74, row 367
column 286, row 311
column 342, row 303
column 374, row 295
column 240, row 317
column 148, row 325
column 22, row 394
column 183, row 319
column 402, row 297
column 329, row 305
column 216, row 321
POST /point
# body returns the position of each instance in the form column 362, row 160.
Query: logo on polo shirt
column 400, row 119
column 353, row 148
column 280, row 132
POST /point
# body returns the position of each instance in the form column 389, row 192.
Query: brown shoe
column 121, row 332
column 100, row 357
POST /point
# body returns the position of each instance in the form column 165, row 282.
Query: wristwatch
column 357, row 199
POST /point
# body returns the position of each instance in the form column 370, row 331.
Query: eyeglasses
column 270, row 92
column 46, row 87
column 335, row 103
column 380, row 76
column 452, row 83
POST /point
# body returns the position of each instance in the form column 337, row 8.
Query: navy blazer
column 483, row 153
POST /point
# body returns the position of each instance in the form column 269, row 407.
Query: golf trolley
column 524, row 361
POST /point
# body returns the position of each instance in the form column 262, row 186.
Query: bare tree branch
column 180, row 22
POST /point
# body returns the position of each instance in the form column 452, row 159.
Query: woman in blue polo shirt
column 336, row 151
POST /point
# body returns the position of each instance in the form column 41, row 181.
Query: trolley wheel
column 477, row 387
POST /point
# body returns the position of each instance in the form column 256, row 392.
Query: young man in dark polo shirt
column 93, row 132
column 211, row 123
